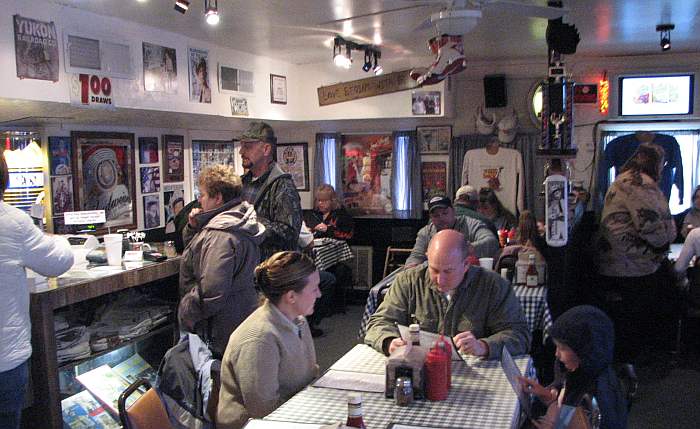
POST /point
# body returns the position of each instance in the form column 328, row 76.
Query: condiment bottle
column 355, row 419
column 446, row 348
column 414, row 334
column 531, row 276
column 436, row 380
column 403, row 391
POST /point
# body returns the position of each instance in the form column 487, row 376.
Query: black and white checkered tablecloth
column 328, row 252
column 532, row 300
column 481, row 397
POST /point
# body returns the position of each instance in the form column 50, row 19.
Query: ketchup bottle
column 436, row 380
column 355, row 419
column 446, row 348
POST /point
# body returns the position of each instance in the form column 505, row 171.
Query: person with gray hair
column 467, row 203
column 474, row 306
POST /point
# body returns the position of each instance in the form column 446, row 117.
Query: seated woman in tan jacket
column 271, row 355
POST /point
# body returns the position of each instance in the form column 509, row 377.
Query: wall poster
column 434, row 178
column 173, row 201
column 159, row 68
column 293, row 158
column 174, row 158
column 36, row 49
column 150, row 180
column 148, row 150
column 200, row 89
column 151, row 211
column 366, row 175
column 105, row 176
column 210, row 152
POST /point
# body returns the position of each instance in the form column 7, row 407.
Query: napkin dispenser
column 406, row 361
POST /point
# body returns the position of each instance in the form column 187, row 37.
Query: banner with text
column 363, row 88
column 91, row 91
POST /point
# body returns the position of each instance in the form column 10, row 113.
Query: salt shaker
column 169, row 249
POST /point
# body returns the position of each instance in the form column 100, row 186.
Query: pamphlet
column 512, row 373
column 348, row 380
column 82, row 410
column 107, row 385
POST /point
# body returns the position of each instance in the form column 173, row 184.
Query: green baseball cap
column 258, row 131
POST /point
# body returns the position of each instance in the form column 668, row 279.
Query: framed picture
column 278, row 89
column 434, row 139
column 239, row 106
column 198, row 65
column 234, row 79
column 426, row 102
column 210, row 152
column 159, row 68
column 62, row 194
column 59, row 151
column 434, row 179
column 174, row 158
column 366, row 174
column 151, row 211
column 148, row 150
column 293, row 158
column 105, row 176
column 150, row 180
column 173, row 201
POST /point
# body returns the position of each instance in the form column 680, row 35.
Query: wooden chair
column 391, row 261
column 147, row 412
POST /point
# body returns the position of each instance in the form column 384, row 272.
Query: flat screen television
column 656, row 95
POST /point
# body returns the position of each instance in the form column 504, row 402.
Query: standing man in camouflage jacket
column 270, row 190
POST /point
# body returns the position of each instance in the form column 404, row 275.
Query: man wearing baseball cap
column 270, row 190
column 442, row 216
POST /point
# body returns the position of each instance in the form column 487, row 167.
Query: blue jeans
column 13, row 385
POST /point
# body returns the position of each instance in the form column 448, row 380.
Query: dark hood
column 590, row 334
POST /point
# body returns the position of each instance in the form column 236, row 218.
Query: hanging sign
column 36, row 49
column 93, row 91
column 363, row 88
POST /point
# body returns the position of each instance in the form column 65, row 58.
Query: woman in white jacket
column 22, row 245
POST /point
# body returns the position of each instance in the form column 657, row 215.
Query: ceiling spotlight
column 211, row 11
column 341, row 60
column 368, row 60
column 182, row 5
column 377, row 68
column 665, row 34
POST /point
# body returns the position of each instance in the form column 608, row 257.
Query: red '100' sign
column 100, row 88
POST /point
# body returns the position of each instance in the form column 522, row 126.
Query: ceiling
column 291, row 30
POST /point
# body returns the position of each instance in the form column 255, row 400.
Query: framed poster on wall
column 104, row 176
column 293, row 158
column 174, row 158
column 434, row 139
column 366, row 174
column 278, row 89
column 434, row 179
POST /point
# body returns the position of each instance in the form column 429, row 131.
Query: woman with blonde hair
column 271, row 355
column 334, row 220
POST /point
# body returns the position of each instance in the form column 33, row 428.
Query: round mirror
column 534, row 103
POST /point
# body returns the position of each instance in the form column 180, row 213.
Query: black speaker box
column 495, row 91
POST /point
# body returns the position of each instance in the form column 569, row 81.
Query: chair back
column 146, row 412
column 694, row 283
column 391, row 262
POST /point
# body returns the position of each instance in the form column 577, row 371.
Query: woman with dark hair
column 22, row 246
column 692, row 218
column 202, row 75
column 491, row 207
column 271, row 355
column 636, row 228
column 584, row 343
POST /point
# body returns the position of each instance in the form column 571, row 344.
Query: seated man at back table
column 442, row 216
column 474, row 306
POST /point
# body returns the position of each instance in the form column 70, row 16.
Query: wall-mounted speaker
column 495, row 91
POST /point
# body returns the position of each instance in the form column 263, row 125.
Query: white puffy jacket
column 22, row 245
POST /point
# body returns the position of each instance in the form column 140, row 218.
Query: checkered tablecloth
column 328, row 252
column 481, row 397
column 532, row 300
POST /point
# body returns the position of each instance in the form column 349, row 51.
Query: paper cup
column 486, row 263
column 113, row 248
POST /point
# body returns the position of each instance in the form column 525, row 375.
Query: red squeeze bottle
column 446, row 348
column 436, row 380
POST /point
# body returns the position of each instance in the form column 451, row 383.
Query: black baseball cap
column 439, row 201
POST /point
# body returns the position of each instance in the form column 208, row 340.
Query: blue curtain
column 406, row 191
column 328, row 162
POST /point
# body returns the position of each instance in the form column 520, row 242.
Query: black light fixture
column 182, row 5
column 665, row 34
column 211, row 11
column 378, row 69
column 345, row 60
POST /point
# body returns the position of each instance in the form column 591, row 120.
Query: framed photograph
column 210, row 152
column 426, row 102
column 151, row 211
column 434, row 139
column 293, row 158
column 434, row 179
column 278, row 89
column 62, row 194
column 174, row 158
column 159, row 68
column 239, row 106
column 198, row 64
column 366, row 174
column 105, row 176
column 173, row 201
column 60, row 155
column 148, row 150
column 150, row 180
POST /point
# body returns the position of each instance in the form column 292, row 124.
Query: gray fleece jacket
column 217, row 272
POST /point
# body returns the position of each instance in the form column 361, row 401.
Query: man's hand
column 467, row 343
column 395, row 344
column 191, row 217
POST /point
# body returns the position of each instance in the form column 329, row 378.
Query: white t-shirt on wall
column 503, row 172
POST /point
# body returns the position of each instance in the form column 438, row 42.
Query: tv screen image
column 656, row 95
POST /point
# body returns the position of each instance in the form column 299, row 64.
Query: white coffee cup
column 113, row 248
column 486, row 263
